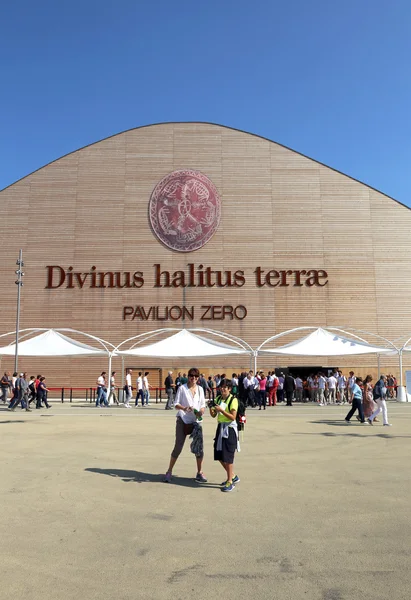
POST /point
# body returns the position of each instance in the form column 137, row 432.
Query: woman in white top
column 190, row 404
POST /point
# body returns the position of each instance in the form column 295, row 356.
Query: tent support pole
column 255, row 362
column 400, row 356
column 401, row 391
column 122, row 380
column 379, row 366
column 109, row 377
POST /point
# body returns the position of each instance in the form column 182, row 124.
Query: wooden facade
column 280, row 211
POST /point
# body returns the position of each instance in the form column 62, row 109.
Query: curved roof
column 212, row 124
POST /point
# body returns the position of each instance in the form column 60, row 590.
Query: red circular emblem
column 185, row 210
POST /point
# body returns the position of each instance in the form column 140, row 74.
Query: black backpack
column 240, row 418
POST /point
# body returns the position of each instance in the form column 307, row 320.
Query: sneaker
column 200, row 477
column 167, row 478
column 347, row 422
column 358, row 418
column 365, row 423
column 236, row 479
column 370, row 422
column 229, row 487
column 387, row 425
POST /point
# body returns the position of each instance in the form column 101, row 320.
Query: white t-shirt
column 248, row 382
column 100, row 381
column 184, row 397
column 139, row 383
column 321, row 383
column 332, row 382
column 351, row 381
column 341, row 381
column 128, row 380
column 145, row 383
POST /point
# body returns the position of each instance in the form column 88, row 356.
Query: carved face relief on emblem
column 185, row 210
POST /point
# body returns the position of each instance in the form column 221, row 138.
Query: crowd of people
column 254, row 390
column 107, row 392
column 23, row 391
column 259, row 390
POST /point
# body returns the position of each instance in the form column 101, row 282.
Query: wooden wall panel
column 280, row 210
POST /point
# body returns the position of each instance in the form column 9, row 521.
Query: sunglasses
column 196, row 376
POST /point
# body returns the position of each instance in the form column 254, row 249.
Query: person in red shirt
column 272, row 389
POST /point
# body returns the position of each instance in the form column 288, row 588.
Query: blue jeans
column 262, row 398
column 101, row 396
column 4, row 392
column 140, row 394
column 18, row 398
column 356, row 405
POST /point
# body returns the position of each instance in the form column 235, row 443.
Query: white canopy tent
column 185, row 344
column 50, row 343
column 322, row 342
column 334, row 341
column 53, row 343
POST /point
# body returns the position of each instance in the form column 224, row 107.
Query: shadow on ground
column 141, row 477
column 350, row 431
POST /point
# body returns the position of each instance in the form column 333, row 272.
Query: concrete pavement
column 322, row 511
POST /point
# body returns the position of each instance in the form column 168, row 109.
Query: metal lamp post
column 19, row 283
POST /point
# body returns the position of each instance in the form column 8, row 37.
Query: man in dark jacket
column 289, row 387
column 169, row 385
column 5, row 385
column 203, row 382
column 21, row 393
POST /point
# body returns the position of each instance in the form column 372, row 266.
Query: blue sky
column 330, row 80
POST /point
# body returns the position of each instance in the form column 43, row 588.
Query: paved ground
column 323, row 510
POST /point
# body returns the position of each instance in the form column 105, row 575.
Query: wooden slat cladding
column 280, row 211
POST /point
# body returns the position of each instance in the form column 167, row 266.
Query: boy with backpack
column 226, row 440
